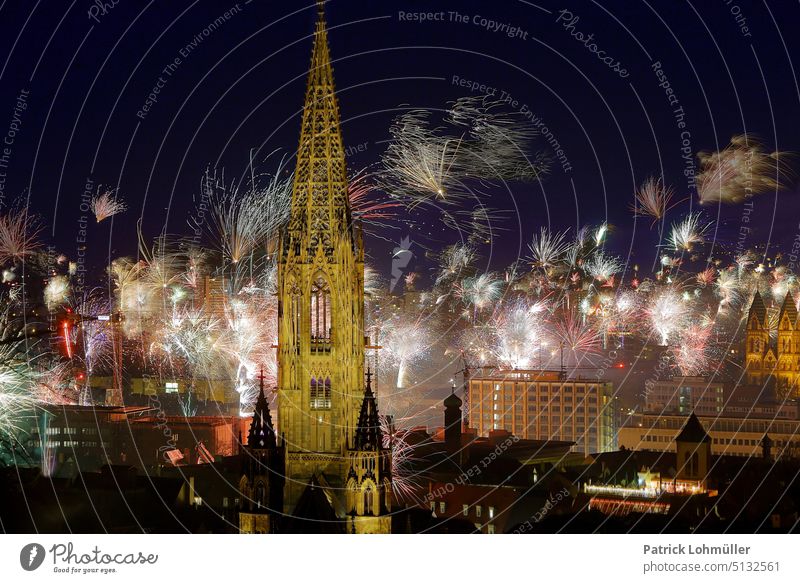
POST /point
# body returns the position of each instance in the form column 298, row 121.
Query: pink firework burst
column 367, row 204
column 19, row 236
column 107, row 205
column 576, row 334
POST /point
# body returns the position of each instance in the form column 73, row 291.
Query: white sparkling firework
column 499, row 142
column 404, row 344
column 405, row 480
column 603, row 267
column 56, row 291
column 547, row 248
column 16, row 398
column 742, row 170
column 454, row 261
column 667, row 313
column 689, row 232
column 420, row 165
column 480, row 291
column 240, row 219
column 519, row 330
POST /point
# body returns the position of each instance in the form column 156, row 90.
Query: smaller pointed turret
column 789, row 308
column 368, row 431
column 262, row 432
column 758, row 309
column 452, row 423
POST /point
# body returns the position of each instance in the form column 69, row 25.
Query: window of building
column 320, row 393
column 171, row 387
column 369, row 501
column 320, row 310
column 490, row 529
column 465, row 509
column 491, row 512
column 478, row 510
column 442, row 507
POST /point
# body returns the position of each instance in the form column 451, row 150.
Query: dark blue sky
column 88, row 71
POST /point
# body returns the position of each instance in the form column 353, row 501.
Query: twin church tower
column 329, row 460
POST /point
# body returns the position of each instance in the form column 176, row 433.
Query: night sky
column 85, row 72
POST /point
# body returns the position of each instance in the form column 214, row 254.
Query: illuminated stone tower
column 757, row 348
column 781, row 359
column 321, row 301
column 787, row 371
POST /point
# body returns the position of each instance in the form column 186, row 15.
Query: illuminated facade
column 738, row 436
column 780, row 359
column 321, row 339
column 543, row 405
column 653, row 493
column 684, row 395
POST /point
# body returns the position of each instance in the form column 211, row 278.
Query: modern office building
column 545, row 405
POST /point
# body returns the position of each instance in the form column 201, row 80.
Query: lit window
column 491, row 529
column 478, row 510
column 320, row 393
column 171, row 387
column 491, row 511
column 442, row 507
column 320, row 312
column 465, row 509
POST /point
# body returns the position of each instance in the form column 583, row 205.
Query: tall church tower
column 321, row 301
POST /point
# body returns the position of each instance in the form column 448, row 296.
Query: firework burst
column 16, row 398
column 689, row 232
column 107, row 205
column 518, row 328
column 19, row 236
column 652, row 199
column 742, row 170
column 240, row 219
column 480, row 291
column 547, row 248
column 576, row 334
column 420, row 165
column 667, row 313
column 692, row 352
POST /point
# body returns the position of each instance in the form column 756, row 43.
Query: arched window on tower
column 296, row 303
column 320, row 393
column 320, row 314
column 368, row 500
column 260, row 495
